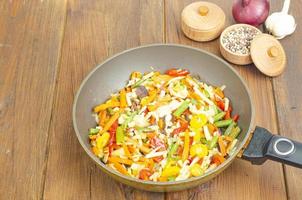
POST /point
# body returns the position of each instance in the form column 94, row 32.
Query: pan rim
column 108, row 170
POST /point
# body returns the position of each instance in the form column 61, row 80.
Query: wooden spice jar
column 202, row 21
column 231, row 39
column 243, row 44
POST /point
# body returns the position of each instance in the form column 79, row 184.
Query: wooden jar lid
column 268, row 55
column 202, row 21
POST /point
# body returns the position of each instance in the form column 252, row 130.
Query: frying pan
column 254, row 144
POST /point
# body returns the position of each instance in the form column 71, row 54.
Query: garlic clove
column 281, row 24
column 285, row 26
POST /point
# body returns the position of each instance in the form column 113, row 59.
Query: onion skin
column 253, row 12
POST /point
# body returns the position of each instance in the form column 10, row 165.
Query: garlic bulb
column 281, row 24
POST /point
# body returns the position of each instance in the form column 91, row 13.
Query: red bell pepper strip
column 144, row 174
column 112, row 132
column 177, row 72
column 228, row 113
column 235, row 118
column 220, row 105
column 158, row 159
column 112, row 140
column 182, row 128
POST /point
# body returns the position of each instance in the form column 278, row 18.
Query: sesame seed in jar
column 238, row 40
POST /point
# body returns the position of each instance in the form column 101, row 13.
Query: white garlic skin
column 280, row 24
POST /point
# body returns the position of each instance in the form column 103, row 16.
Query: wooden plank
column 94, row 30
column 288, row 96
column 241, row 180
column 30, row 42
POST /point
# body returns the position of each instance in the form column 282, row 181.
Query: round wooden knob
column 203, row 10
column 273, row 52
column 268, row 54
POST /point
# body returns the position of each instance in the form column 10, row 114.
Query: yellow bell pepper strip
column 219, row 116
column 198, row 121
column 181, row 108
column 198, row 135
column 194, row 96
column 235, row 132
column 144, row 149
column 223, row 123
column 135, row 75
column 161, row 124
column 120, row 160
column 230, row 128
column 170, row 171
column 185, row 152
column 120, row 135
column 221, row 146
column 219, row 92
column 103, row 140
column 123, row 101
column 196, row 170
column 126, row 150
column 228, row 138
column 199, row 150
column 109, row 104
column 148, row 99
column 110, row 122
column 120, row 168
column 213, row 142
column 162, row 179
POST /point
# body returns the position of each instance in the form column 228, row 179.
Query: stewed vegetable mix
column 165, row 127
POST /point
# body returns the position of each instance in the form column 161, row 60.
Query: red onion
column 253, row 12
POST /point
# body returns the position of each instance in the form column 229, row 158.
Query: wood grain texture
column 94, row 30
column 30, row 41
column 241, row 180
column 288, row 96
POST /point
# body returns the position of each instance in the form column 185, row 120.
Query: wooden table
column 47, row 47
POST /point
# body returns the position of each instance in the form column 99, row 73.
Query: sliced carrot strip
column 126, row 150
column 120, row 168
column 120, row 160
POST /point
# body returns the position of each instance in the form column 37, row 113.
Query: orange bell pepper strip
column 110, row 122
column 218, row 159
column 123, row 101
column 185, row 152
column 221, row 146
column 110, row 104
column 144, row 174
column 102, row 118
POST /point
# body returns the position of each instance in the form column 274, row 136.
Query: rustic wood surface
column 47, row 47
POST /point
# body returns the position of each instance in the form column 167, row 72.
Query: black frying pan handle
column 264, row 145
